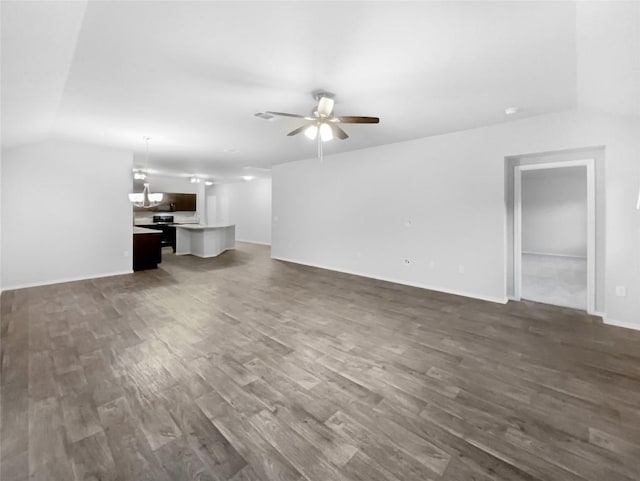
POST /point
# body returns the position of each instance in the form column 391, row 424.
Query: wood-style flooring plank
column 92, row 459
column 243, row 368
column 132, row 455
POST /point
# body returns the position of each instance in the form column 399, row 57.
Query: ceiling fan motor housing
column 318, row 94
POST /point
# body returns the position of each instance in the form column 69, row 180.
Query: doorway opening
column 554, row 233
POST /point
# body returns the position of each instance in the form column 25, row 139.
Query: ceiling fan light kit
column 322, row 125
column 311, row 132
column 326, row 134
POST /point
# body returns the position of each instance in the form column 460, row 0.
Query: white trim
column 517, row 232
column 505, row 263
column 553, row 255
column 64, row 280
column 598, row 314
column 591, row 224
column 556, row 165
column 203, row 256
column 591, row 236
column 254, row 242
column 626, row 324
column 499, row 300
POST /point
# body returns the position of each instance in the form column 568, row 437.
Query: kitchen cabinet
column 185, row 202
column 147, row 252
column 173, row 202
column 167, row 234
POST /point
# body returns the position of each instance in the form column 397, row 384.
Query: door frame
column 591, row 224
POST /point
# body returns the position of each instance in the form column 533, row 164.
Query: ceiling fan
column 322, row 124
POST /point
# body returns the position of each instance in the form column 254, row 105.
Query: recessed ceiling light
column 248, row 177
column 512, row 110
column 208, row 183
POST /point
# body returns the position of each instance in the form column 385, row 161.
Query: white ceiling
column 191, row 74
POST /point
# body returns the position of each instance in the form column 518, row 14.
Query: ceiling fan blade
column 337, row 131
column 358, row 120
column 325, row 106
column 298, row 130
column 283, row 114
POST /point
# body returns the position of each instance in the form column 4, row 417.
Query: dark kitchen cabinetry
column 173, row 202
column 184, row 202
column 147, row 253
column 168, row 234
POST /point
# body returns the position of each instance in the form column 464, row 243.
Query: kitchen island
column 205, row 240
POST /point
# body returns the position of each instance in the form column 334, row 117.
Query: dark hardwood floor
column 243, row 368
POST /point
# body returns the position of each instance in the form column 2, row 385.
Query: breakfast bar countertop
column 204, row 227
column 144, row 230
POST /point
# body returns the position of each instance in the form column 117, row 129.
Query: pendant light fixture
column 146, row 199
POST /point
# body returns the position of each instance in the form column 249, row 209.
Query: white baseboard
column 553, row 255
column 499, row 300
column 207, row 256
column 626, row 324
column 254, row 242
column 63, row 280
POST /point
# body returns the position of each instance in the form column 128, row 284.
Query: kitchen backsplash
column 187, row 217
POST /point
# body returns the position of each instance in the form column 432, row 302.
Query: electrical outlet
column 621, row 291
column 461, row 269
column 407, row 223
column 125, row 253
column 407, row 262
column 432, row 264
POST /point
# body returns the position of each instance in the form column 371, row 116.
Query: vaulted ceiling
column 191, row 75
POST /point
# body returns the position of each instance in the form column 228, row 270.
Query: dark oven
column 165, row 224
column 163, row 219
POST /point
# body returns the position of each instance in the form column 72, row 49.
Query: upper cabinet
column 185, row 202
column 173, row 202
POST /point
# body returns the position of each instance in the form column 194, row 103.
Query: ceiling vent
column 264, row 116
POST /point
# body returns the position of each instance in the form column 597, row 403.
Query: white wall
column 351, row 212
column 554, row 211
column 164, row 183
column 248, row 206
column 608, row 62
column 1, row 156
column 65, row 213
